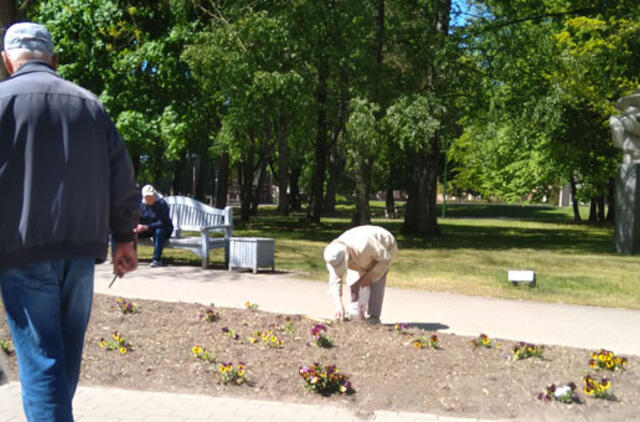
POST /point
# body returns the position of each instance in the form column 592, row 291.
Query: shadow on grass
column 455, row 234
column 542, row 213
column 470, row 236
column 514, row 212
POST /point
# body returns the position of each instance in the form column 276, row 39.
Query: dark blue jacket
column 156, row 215
column 65, row 175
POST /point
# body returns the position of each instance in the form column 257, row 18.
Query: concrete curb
column 99, row 404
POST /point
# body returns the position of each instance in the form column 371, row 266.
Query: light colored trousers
column 376, row 293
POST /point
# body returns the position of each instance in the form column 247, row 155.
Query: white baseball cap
column 335, row 255
column 148, row 190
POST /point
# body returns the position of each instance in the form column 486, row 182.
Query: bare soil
column 385, row 369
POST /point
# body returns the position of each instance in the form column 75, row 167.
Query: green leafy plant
column 127, row 307
column 598, row 389
column 605, row 359
column 231, row 333
column 117, row 342
column 425, row 342
column 251, row 306
column 483, row 340
column 6, row 346
column 201, row 353
column 268, row 338
column 565, row 393
column 524, row 350
column 400, row 328
column 209, row 314
column 325, row 380
column 288, row 325
column 232, row 374
column 320, row 337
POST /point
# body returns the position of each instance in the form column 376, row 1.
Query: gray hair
column 24, row 55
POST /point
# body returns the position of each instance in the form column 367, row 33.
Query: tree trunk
column 421, row 210
column 158, row 165
column 390, row 201
column 10, row 13
column 283, row 166
column 222, row 181
column 262, row 176
column 574, row 201
column 335, row 167
column 336, row 161
column 600, row 203
column 362, row 214
column 178, row 180
column 378, row 44
column 135, row 160
column 245, row 176
column 593, row 214
column 202, row 180
column 263, row 162
column 294, row 186
column 317, row 182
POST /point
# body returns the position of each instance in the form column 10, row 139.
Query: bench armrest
column 227, row 228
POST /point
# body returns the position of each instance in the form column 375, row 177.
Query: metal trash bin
column 251, row 252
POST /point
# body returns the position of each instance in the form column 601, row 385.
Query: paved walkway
column 95, row 404
column 546, row 323
column 577, row 326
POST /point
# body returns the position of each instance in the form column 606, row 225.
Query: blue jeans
column 159, row 235
column 48, row 304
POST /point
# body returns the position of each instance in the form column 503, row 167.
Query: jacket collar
column 34, row 66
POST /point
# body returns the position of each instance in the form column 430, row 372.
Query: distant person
column 65, row 180
column 361, row 257
column 154, row 222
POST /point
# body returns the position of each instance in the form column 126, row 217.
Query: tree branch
column 219, row 16
column 536, row 18
column 21, row 12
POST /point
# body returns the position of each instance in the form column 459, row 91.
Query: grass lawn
column 479, row 244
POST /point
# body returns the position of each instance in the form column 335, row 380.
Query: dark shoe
column 373, row 320
column 156, row 263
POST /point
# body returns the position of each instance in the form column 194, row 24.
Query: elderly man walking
column 361, row 257
column 65, row 180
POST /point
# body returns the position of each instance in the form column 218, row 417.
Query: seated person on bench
column 154, row 222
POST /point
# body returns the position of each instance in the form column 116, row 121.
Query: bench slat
column 188, row 214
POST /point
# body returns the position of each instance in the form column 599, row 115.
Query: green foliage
column 128, row 55
column 548, row 89
column 412, row 122
column 522, row 91
column 87, row 35
column 245, row 63
column 135, row 128
column 362, row 129
column 175, row 131
column 599, row 60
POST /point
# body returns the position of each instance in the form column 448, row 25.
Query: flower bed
column 385, row 369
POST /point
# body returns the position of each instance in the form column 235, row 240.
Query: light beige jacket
column 370, row 249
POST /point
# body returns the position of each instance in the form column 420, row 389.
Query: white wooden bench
column 190, row 215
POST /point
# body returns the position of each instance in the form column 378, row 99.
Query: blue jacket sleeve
column 161, row 209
